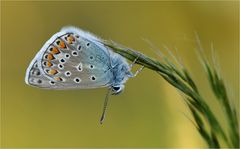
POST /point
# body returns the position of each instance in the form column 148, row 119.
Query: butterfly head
column 117, row 89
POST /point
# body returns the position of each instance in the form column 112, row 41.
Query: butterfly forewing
column 71, row 61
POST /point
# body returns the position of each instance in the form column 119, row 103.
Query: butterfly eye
column 116, row 88
column 88, row 44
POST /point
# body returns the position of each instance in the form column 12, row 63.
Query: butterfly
column 76, row 59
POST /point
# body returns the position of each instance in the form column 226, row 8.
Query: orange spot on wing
column 49, row 64
column 53, row 72
column 54, row 50
column 50, row 57
column 62, row 44
column 58, row 78
column 71, row 39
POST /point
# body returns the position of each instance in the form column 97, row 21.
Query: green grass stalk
column 181, row 79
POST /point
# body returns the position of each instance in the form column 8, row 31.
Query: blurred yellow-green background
column 150, row 112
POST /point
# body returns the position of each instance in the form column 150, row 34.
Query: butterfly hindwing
column 35, row 78
column 68, row 61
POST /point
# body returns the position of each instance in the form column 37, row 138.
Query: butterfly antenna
column 105, row 106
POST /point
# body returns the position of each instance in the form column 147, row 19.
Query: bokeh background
column 150, row 112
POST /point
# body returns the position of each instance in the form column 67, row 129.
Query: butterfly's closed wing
column 72, row 61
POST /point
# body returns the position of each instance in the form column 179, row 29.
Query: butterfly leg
column 134, row 62
column 139, row 70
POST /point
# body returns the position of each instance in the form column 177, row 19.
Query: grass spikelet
column 180, row 78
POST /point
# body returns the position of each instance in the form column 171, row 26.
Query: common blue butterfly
column 75, row 59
